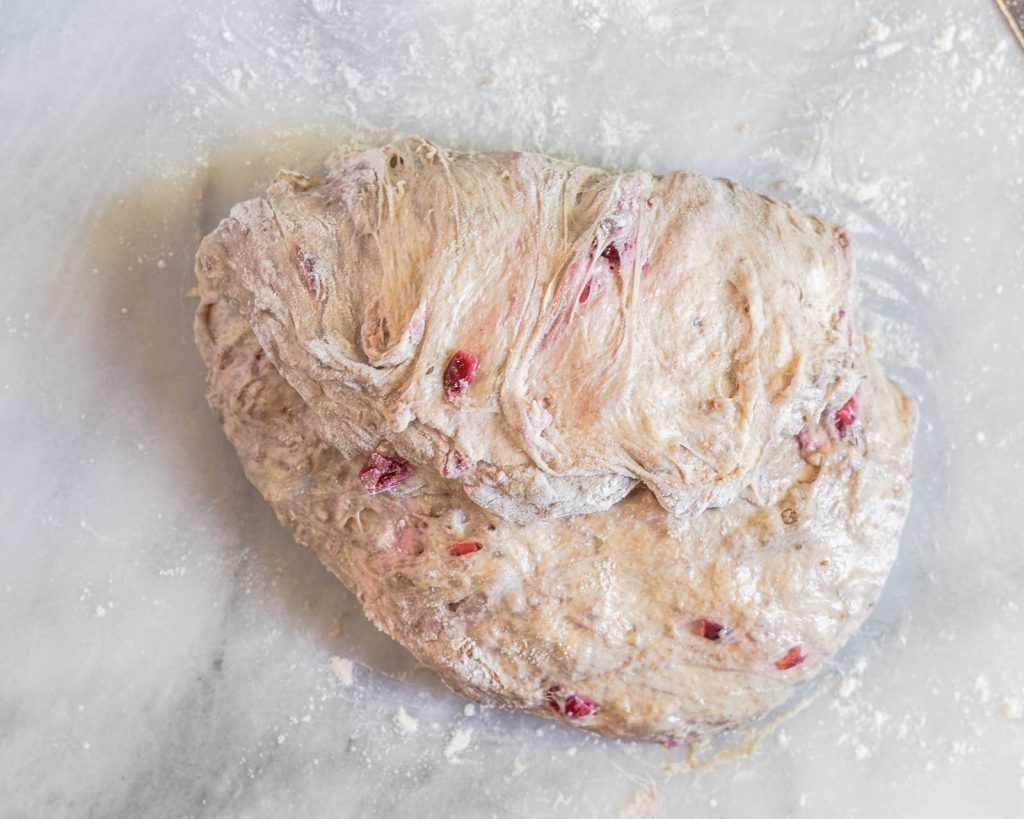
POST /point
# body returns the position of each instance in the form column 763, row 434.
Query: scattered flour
column 887, row 50
column 849, row 684
column 975, row 79
column 647, row 802
column 458, row 743
column 589, row 14
column 981, row 687
column 946, row 37
column 406, row 724
column 1012, row 708
column 878, row 31
column 342, row 668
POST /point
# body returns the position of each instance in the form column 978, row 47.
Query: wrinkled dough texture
column 629, row 328
column 607, row 605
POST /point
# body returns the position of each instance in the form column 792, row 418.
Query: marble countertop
column 166, row 650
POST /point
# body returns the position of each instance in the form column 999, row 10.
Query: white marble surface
column 165, row 647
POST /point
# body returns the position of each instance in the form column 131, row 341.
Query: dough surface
column 660, row 330
column 610, row 448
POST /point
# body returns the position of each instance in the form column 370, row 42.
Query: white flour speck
column 944, row 41
column 887, row 50
column 458, row 743
column 342, row 668
column 1012, row 708
column 406, row 724
column 878, row 31
column 974, row 79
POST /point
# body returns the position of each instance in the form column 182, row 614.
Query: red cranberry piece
column 711, row 630
column 846, row 416
column 308, row 263
column 464, row 547
column 577, row 706
column 586, row 293
column 381, row 472
column 611, row 253
column 459, row 373
column 793, row 657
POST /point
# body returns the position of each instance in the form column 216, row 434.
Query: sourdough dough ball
column 609, row 448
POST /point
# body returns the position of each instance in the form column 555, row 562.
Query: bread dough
column 660, row 330
column 671, row 489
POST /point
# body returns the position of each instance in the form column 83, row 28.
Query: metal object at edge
column 1013, row 11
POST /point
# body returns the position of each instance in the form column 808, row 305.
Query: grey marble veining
column 165, row 647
